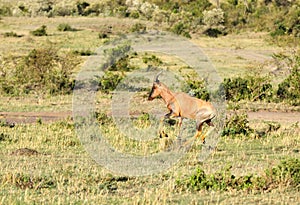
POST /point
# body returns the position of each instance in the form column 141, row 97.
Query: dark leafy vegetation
column 43, row 70
column 237, row 125
column 195, row 87
column 109, row 81
column 12, row 34
column 118, row 63
column 65, row 27
column 86, row 52
column 251, row 88
column 285, row 174
column 289, row 89
column 138, row 28
column 42, row 31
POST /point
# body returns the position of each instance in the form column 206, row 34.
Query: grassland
column 62, row 172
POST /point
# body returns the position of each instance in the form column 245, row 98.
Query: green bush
column 12, row 34
column 109, row 81
column 81, row 6
column 221, row 181
column 86, row 52
column 103, row 119
column 5, row 10
column 118, row 58
column 65, row 27
column 196, row 88
column 289, row 89
column 42, row 31
column 286, row 173
column 152, row 60
column 214, row 22
column 181, row 29
column 102, row 35
column 138, row 28
column 116, row 53
column 43, row 70
column 251, row 88
column 237, row 124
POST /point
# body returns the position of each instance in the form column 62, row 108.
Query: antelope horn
column 156, row 77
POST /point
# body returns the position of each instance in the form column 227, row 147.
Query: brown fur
column 184, row 106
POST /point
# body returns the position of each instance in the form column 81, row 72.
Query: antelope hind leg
column 200, row 134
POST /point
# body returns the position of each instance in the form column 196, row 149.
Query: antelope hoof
column 203, row 139
column 162, row 134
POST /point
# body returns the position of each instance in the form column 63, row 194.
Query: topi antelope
column 184, row 106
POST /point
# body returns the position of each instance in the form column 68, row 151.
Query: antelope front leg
column 161, row 132
column 199, row 132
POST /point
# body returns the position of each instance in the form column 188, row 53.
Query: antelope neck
column 167, row 95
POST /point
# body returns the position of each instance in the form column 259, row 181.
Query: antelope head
column 156, row 88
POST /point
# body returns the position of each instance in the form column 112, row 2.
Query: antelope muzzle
column 150, row 95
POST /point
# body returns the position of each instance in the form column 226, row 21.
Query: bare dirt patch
column 32, row 117
column 25, row 151
column 290, row 117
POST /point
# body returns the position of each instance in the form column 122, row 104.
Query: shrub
column 12, row 34
column 153, row 60
column 43, row 70
column 289, row 89
column 42, row 31
column 118, row 58
column 220, row 181
column 86, row 52
column 286, row 173
column 196, row 88
column 81, row 6
column 237, row 124
column 138, row 28
column 5, row 10
column 109, row 81
column 116, row 53
column 65, row 27
column 181, row 29
column 214, row 21
column 102, row 35
column 103, row 119
column 251, row 88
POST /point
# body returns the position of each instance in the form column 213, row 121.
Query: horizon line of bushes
column 278, row 17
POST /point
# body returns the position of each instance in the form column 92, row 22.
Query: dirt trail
column 277, row 116
column 32, row 117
